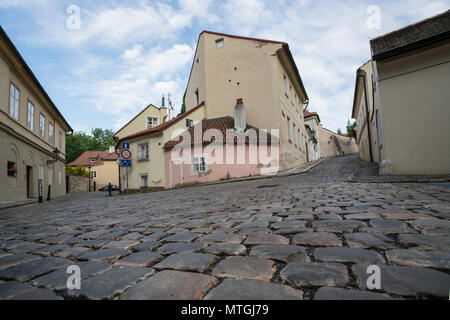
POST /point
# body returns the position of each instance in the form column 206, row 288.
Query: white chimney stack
column 239, row 116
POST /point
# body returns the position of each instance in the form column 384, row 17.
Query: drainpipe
column 366, row 102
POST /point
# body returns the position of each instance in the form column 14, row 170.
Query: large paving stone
column 51, row 250
column 368, row 240
column 330, row 293
column 111, row 283
column 221, row 237
column 178, row 247
column 404, row 215
column 245, row 268
column 13, row 260
column 362, row 216
column 171, row 285
column 140, row 259
column 386, row 226
column 415, row 258
column 265, row 238
column 354, row 255
column 187, row 262
column 430, row 224
column 337, row 225
column 123, row 244
column 407, row 281
column 315, row 274
column 317, row 239
column 231, row 249
column 32, row 269
column 425, row 242
column 280, row 252
column 57, row 280
column 27, row 248
column 13, row 288
column 146, row 245
column 37, row 294
column 288, row 224
column 182, row 237
column 73, row 252
column 132, row 236
column 105, row 255
column 246, row 289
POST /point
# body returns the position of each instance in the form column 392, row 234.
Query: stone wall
column 334, row 145
column 77, row 184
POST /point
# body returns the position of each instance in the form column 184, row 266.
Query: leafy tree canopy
column 79, row 142
column 350, row 128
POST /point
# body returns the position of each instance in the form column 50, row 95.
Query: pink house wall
column 215, row 171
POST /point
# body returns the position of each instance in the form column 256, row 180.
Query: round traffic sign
column 125, row 154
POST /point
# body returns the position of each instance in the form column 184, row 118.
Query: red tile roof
column 222, row 124
column 162, row 126
column 98, row 156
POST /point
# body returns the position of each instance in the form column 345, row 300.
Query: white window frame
column 94, row 174
column 197, row 97
column 285, row 84
column 295, row 136
column 30, row 116
column 42, row 126
column 189, row 123
column 220, row 43
column 195, row 160
column 60, row 141
column 152, row 122
column 14, row 98
column 288, row 127
column 145, row 154
column 50, row 133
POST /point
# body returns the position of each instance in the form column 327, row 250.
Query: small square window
column 152, row 122
column 189, row 123
column 199, row 164
column 144, row 180
column 220, row 43
column 12, row 170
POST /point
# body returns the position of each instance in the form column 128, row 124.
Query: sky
column 102, row 62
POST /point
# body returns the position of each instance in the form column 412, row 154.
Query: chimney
column 112, row 149
column 239, row 116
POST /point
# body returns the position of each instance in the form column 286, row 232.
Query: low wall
column 334, row 145
column 77, row 184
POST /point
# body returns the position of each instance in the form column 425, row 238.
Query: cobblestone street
column 309, row 236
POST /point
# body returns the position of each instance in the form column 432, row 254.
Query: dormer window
column 152, row 122
column 189, row 123
column 219, row 43
column 92, row 159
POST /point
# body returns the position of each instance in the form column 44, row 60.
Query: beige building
column 335, row 145
column 312, row 121
column 410, row 82
column 32, row 131
column 102, row 165
column 146, row 145
column 262, row 73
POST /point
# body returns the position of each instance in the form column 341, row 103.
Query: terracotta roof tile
column 307, row 114
column 98, row 156
column 223, row 125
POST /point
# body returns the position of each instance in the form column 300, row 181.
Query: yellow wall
column 414, row 100
column 106, row 173
column 21, row 145
column 251, row 70
column 140, row 122
column 154, row 167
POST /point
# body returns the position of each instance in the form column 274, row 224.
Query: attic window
column 12, row 171
column 92, row 159
column 189, row 123
column 219, row 43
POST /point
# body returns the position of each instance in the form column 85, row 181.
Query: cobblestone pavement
column 310, row 236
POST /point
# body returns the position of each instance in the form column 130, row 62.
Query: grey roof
column 413, row 36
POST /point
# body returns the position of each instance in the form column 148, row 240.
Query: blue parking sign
column 125, row 146
column 125, row 163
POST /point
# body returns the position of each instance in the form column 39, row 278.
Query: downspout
column 366, row 102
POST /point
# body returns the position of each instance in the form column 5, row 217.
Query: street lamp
column 55, row 153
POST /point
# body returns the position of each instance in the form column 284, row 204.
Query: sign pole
column 126, row 172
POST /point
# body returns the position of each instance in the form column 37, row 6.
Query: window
column 152, row 122
column 299, row 140
column 92, row 159
column 12, row 170
column 285, row 84
column 94, row 174
column 50, row 176
column 220, row 43
column 30, row 119
column 289, row 128
column 60, row 141
column 42, row 126
column 295, row 136
column 60, row 177
column 197, row 99
column 14, row 102
column 290, row 92
column 50, row 133
column 143, row 153
column 199, row 164
column 144, row 180
column 189, row 123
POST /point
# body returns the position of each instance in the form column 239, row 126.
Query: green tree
column 79, row 142
column 350, row 128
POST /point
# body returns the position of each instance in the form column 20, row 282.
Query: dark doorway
column 29, row 180
column 67, row 184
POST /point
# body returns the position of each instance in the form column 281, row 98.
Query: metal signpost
column 125, row 159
